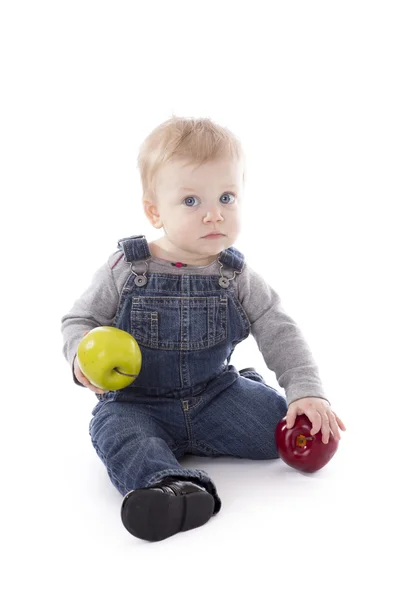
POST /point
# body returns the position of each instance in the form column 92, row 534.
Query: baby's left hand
column 320, row 414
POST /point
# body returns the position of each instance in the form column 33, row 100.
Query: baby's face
column 195, row 201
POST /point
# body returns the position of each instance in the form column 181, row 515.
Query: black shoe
column 170, row 506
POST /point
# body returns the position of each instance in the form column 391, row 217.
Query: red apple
column 301, row 450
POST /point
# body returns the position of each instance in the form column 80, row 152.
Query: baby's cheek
column 235, row 225
column 182, row 226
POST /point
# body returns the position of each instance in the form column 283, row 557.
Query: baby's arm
column 279, row 338
column 95, row 307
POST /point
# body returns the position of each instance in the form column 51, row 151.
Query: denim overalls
column 187, row 398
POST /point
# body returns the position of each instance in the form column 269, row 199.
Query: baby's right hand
column 84, row 380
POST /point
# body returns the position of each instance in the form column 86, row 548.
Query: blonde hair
column 197, row 140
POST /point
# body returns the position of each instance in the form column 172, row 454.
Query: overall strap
column 231, row 257
column 135, row 248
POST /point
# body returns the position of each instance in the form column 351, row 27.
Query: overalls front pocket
column 179, row 323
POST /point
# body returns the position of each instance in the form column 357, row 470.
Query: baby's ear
column 152, row 212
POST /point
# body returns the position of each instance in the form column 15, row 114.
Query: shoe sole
column 154, row 515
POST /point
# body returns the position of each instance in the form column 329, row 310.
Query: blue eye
column 228, row 196
column 190, row 198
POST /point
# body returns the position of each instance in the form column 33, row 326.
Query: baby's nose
column 214, row 215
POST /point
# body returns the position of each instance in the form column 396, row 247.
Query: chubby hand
column 84, row 380
column 320, row 414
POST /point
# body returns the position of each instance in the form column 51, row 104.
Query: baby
column 188, row 298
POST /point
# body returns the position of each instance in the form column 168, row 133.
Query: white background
column 312, row 90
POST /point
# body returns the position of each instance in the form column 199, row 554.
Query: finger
column 85, row 381
column 92, row 387
column 325, row 429
column 290, row 418
column 315, row 419
column 334, row 427
column 340, row 422
column 82, row 379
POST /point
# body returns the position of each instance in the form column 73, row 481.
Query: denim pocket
column 144, row 326
column 171, row 323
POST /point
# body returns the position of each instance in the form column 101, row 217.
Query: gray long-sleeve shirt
column 278, row 337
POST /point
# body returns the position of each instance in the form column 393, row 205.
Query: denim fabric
column 187, row 397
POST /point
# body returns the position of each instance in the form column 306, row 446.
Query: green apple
column 109, row 357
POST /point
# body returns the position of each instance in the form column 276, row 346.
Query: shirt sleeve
column 97, row 306
column 279, row 338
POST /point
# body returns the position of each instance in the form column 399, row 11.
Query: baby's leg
column 140, row 452
column 241, row 420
